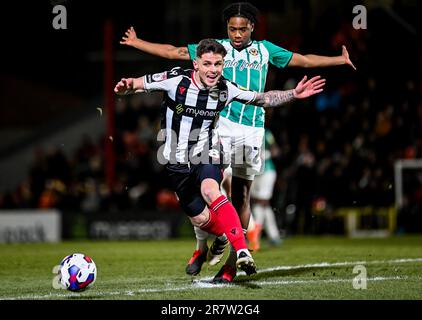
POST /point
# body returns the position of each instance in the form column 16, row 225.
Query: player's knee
column 210, row 190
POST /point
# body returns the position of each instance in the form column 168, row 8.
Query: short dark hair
column 210, row 45
column 241, row 9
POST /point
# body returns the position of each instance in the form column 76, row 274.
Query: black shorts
column 186, row 182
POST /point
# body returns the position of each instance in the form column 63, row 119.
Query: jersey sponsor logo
column 230, row 63
column 194, row 112
column 159, row 76
column 250, row 65
column 241, row 65
column 253, row 51
column 203, row 113
column 179, row 109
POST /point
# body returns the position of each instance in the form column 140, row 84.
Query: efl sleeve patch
column 156, row 77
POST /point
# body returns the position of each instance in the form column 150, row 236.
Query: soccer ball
column 77, row 272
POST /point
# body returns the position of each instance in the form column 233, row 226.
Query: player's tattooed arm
column 304, row 89
column 274, row 98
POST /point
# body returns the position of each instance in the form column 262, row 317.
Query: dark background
column 71, row 60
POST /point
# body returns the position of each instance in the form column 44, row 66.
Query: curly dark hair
column 241, row 9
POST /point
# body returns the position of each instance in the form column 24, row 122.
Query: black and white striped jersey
column 189, row 112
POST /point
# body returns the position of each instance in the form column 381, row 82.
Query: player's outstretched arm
column 314, row 61
column 167, row 51
column 129, row 86
column 304, row 89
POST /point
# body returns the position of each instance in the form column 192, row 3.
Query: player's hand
column 346, row 57
column 123, row 86
column 307, row 88
column 129, row 38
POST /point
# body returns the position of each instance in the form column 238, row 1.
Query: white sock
column 259, row 213
column 271, row 227
column 201, row 238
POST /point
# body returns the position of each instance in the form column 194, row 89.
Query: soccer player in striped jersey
column 193, row 100
column 241, row 126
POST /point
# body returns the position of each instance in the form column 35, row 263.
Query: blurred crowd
column 337, row 150
column 80, row 183
column 345, row 155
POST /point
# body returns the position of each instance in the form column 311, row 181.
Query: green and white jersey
column 249, row 68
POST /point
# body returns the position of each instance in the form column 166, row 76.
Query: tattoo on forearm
column 274, row 98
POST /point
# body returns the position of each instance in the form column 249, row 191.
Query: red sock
column 230, row 222
column 213, row 225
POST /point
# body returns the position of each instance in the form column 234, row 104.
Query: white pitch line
column 196, row 284
column 338, row 264
column 328, row 265
column 203, row 284
column 287, row 282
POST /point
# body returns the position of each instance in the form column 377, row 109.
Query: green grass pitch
column 301, row 268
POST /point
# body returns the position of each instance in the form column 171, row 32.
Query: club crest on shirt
column 223, row 96
column 253, row 51
column 159, row 76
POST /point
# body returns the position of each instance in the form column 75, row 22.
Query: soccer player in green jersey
column 240, row 126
